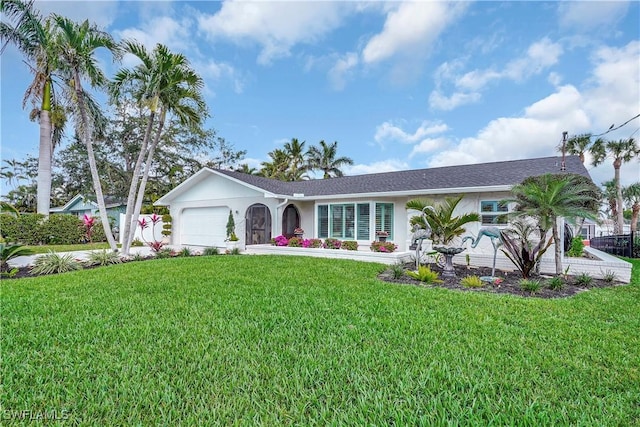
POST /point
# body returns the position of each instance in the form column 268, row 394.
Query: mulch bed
column 510, row 282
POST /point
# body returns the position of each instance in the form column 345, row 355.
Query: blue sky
column 398, row 85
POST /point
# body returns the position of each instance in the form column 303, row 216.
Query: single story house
column 80, row 206
column 346, row 208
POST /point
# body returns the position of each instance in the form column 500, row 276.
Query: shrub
column 609, row 276
column 636, row 246
column 184, row 252
column 383, row 247
column 350, row 245
column 210, row 251
column 63, row 229
column 155, row 246
column 577, row 247
column 555, row 283
column 425, row 275
column 166, row 225
column 25, row 229
column 472, row 282
column 10, row 252
column 137, row 257
column 397, row 270
column 234, row 251
column 295, row 242
column 531, row 286
column 331, row 243
column 97, row 233
column 55, row 263
column 137, row 242
column 280, row 240
column 312, row 243
column 584, row 279
column 165, row 253
column 518, row 244
column 103, row 257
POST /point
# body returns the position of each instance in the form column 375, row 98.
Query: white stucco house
column 347, row 208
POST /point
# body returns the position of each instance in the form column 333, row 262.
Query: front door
column 290, row 221
column 258, row 220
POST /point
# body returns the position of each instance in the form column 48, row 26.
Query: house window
column 493, row 212
column 384, row 218
column 344, row 221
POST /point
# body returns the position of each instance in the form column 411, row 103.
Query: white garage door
column 204, row 226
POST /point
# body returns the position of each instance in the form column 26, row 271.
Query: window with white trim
column 493, row 212
column 353, row 220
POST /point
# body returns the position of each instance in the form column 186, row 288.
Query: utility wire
column 611, row 129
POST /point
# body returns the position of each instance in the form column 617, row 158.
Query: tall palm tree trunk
column 145, row 174
column 44, row 164
column 619, row 224
column 128, row 230
column 97, row 186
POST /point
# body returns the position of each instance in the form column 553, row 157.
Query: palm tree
column 298, row 165
column 277, row 167
column 165, row 84
column 245, row 168
column 550, row 197
column 76, row 45
column 444, row 226
column 631, row 194
column 32, row 35
column 622, row 151
column 611, row 197
column 324, row 159
column 578, row 145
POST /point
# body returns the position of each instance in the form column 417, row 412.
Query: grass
column 268, row 340
column 43, row 249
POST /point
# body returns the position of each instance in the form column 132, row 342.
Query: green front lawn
column 275, row 340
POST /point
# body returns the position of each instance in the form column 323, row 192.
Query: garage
column 205, row 226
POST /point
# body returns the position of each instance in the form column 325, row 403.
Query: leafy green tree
column 324, row 158
column 631, row 195
column 549, row 197
column 298, row 165
column 610, row 196
column 76, row 45
column 622, row 151
column 33, row 36
column 277, row 167
column 165, row 84
column 444, row 226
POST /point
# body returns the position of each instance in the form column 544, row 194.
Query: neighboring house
column 347, row 208
column 79, row 207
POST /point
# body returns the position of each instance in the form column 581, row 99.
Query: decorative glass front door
column 258, row 220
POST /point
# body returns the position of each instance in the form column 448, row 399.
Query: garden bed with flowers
column 331, row 243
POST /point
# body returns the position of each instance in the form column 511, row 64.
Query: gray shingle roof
column 420, row 180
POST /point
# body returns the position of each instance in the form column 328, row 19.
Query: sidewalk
column 23, row 261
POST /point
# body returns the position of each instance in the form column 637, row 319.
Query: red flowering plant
column 312, row 243
column 295, row 242
column 89, row 222
column 143, row 223
column 331, row 243
column 387, row 247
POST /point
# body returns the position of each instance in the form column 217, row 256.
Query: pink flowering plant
column 280, row 240
column 89, row 222
column 312, row 243
column 387, row 247
column 331, row 243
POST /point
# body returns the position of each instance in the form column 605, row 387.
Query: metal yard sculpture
column 494, row 234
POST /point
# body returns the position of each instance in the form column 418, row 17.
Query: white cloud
column 539, row 56
column 411, row 28
column 387, row 131
column 216, row 71
column 276, row 26
column 342, row 70
column 438, row 101
column 390, row 165
column 164, row 30
column 428, row 145
column 585, row 16
column 610, row 96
